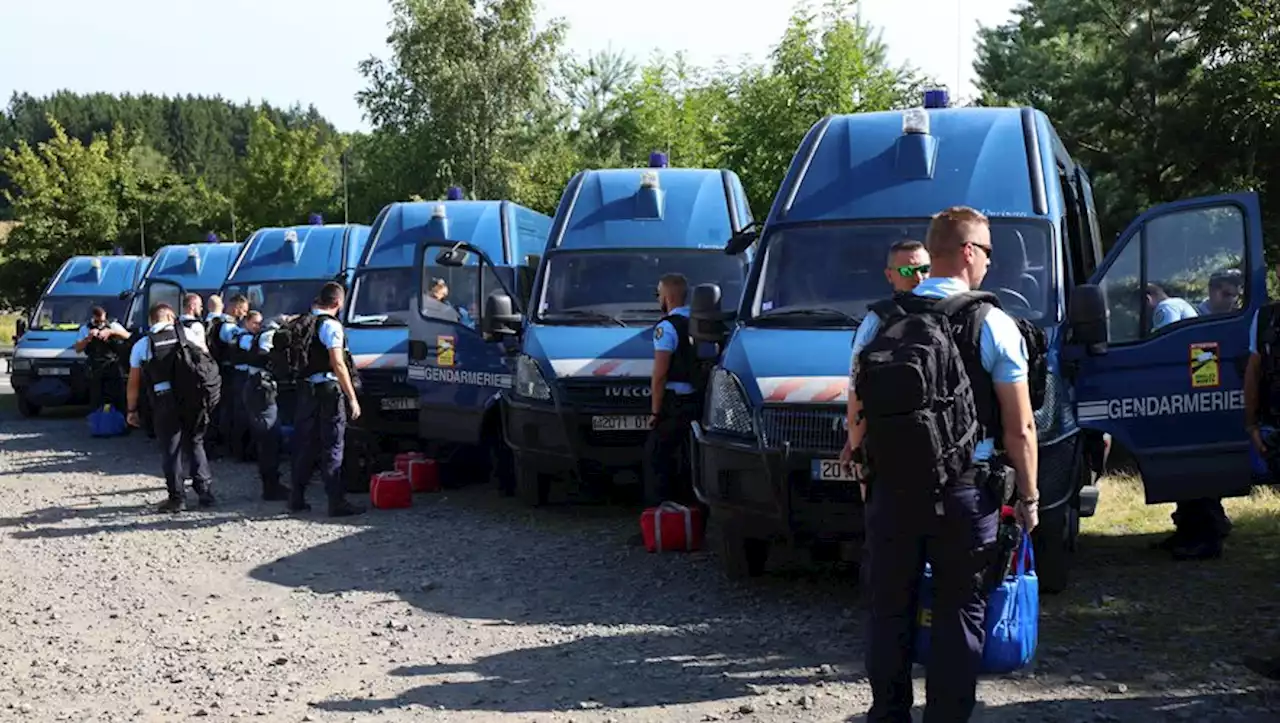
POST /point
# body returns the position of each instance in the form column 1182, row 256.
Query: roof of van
column 198, row 267
column 320, row 253
column 401, row 226
column 605, row 210
column 862, row 168
column 79, row 276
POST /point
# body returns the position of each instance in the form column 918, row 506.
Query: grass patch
column 1137, row 611
column 8, row 327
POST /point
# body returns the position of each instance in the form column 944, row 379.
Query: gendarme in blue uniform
column 262, row 413
column 321, row 419
column 904, row 530
column 666, row 339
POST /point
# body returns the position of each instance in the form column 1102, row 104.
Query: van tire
column 742, row 557
column 26, row 408
column 1054, row 540
column 532, row 487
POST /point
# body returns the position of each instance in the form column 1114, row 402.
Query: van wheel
column 26, row 408
column 532, row 487
column 742, row 557
column 1054, row 540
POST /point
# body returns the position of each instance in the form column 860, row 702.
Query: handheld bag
column 670, row 527
column 107, row 422
column 1012, row 622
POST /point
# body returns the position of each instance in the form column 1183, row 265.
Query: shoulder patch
column 657, row 332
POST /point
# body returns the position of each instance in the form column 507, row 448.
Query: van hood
column 48, row 345
column 792, row 366
column 592, row 351
column 378, row 348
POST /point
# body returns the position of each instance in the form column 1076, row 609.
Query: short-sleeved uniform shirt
column 331, row 336
column 245, row 342
column 141, row 353
column 665, row 339
column 1171, row 310
column 1001, row 347
column 114, row 326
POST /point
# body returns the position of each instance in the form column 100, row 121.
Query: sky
column 306, row 51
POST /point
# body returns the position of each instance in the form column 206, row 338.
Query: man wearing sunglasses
column 951, row 522
column 908, row 265
column 1225, row 289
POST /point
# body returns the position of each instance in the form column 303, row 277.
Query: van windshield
column 623, row 284
column 383, row 297
column 68, row 313
column 274, row 298
column 840, row 268
column 138, row 311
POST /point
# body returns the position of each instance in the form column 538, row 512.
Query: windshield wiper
column 584, row 314
column 812, row 311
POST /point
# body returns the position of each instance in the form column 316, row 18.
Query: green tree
column 65, row 195
column 677, row 108
column 286, row 174
column 465, row 77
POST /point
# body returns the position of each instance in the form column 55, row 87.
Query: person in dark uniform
column 180, row 430
column 907, row 525
column 674, row 401
column 223, row 333
column 259, row 403
column 100, row 340
column 320, row 422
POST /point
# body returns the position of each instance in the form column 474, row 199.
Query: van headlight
column 22, row 365
column 727, row 407
column 529, row 382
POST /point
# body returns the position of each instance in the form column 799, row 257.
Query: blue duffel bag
column 107, row 422
column 1013, row 616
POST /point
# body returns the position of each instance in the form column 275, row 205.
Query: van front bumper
column 560, row 441
column 50, row 390
column 772, row 494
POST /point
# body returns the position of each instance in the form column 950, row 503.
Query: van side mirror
column 1089, row 318
column 19, row 329
column 500, row 319
column 708, row 323
column 742, row 240
column 125, row 295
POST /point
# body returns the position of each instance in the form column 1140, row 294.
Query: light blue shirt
column 1171, row 310
column 665, row 339
column 331, row 335
column 245, row 342
column 230, row 331
column 84, row 330
column 1000, row 345
column 141, row 353
column 195, row 332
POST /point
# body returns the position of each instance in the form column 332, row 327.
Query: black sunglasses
column 985, row 249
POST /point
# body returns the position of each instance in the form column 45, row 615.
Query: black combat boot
column 273, row 491
column 342, row 508
column 172, row 505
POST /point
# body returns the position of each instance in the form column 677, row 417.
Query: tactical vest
column 317, row 354
column 1269, row 381
column 102, row 354
column 685, row 358
column 159, row 368
column 256, row 357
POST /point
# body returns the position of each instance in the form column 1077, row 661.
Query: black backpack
column 1268, row 333
column 196, row 381
column 217, row 348
column 1037, row 343
column 917, row 398
column 290, row 344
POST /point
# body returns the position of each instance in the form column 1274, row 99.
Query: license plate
column 400, row 403
column 54, row 371
column 620, row 423
column 831, row 470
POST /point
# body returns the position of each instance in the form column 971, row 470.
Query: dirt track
column 464, row 608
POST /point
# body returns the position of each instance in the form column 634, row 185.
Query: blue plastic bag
column 107, row 422
column 1012, row 622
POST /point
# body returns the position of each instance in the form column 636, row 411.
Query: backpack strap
column 887, row 309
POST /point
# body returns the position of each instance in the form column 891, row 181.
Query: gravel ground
column 463, row 608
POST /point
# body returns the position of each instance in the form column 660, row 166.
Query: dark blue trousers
column 904, row 529
column 259, row 402
column 320, row 424
column 181, row 435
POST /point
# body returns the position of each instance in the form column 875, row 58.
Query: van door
column 457, row 373
column 1182, row 285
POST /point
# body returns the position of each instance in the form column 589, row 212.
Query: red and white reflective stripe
column 802, row 390
column 602, row 367
column 380, row 361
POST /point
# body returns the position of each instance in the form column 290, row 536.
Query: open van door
column 458, row 372
column 1180, row 289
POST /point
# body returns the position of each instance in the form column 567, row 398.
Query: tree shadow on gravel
column 722, row 660
column 466, row 555
column 1211, row 707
